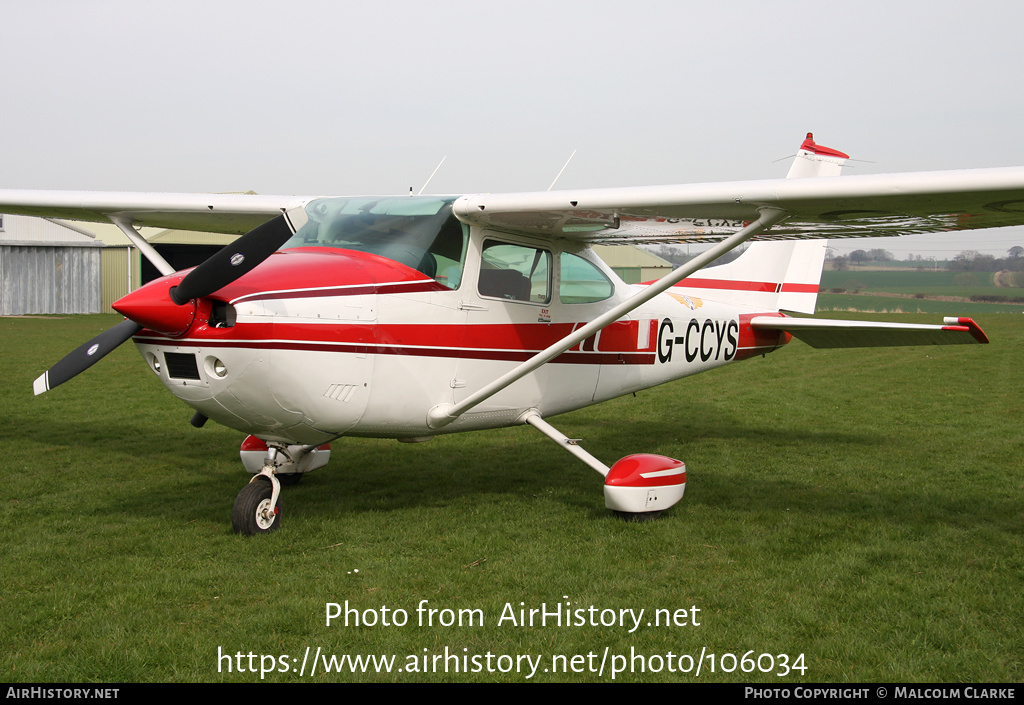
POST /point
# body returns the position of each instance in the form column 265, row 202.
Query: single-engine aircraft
column 410, row 316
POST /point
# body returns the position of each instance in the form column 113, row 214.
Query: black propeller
column 85, row 356
column 230, row 263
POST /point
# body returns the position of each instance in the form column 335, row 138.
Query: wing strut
column 148, row 251
column 443, row 414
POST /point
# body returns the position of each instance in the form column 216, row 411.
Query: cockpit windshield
column 419, row 232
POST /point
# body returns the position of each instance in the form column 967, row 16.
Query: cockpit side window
column 515, row 272
column 449, row 252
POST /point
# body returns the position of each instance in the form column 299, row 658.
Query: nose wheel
column 255, row 512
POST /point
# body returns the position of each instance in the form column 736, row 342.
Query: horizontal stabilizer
column 825, row 333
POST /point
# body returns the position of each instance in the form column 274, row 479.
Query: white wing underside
column 829, row 207
column 215, row 213
column 833, row 207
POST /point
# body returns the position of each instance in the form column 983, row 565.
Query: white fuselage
column 307, row 362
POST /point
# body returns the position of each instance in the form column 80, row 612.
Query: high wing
column 830, row 207
column 877, row 205
column 215, row 213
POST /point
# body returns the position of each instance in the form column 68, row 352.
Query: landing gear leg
column 257, row 507
column 636, row 488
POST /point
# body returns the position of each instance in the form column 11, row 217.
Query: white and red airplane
column 406, row 317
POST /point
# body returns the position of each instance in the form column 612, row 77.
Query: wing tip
column 968, row 325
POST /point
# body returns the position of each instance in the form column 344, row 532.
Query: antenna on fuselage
column 431, row 175
column 563, row 169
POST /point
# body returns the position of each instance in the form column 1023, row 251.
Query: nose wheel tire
column 251, row 514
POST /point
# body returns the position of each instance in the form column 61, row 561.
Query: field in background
column 860, row 507
column 914, row 291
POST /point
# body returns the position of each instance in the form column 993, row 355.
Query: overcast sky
column 349, row 98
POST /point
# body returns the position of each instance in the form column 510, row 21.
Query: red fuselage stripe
column 576, row 358
column 618, row 337
column 737, row 285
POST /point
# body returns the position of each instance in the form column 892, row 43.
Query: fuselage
column 326, row 339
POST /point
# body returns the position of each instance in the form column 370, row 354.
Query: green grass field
column 861, row 508
column 932, row 285
column 928, row 282
column 828, row 303
column 884, row 280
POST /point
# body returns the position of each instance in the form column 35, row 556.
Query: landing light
column 216, row 368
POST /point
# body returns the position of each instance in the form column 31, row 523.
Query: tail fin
column 814, row 160
column 777, row 276
column 771, row 276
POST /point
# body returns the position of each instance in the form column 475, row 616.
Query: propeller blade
column 85, row 356
column 236, row 259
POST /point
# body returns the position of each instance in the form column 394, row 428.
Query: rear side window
column 581, row 282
